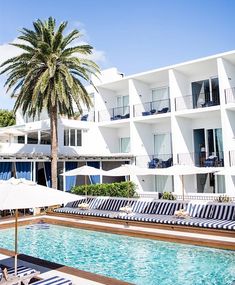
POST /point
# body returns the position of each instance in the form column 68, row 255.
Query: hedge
column 117, row 189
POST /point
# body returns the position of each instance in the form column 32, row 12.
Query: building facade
column 180, row 114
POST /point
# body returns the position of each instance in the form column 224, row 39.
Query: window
column 160, row 98
column 122, row 105
column 79, row 138
column 66, row 137
column 206, row 92
column 72, row 137
column 160, row 94
column 45, row 137
column 32, row 138
column 19, row 139
column 124, row 145
column 162, row 146
column 215, row 142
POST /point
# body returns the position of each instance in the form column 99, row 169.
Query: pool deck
column 213, row 238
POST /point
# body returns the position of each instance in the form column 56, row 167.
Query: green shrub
column 117, row 189
column 168, row 196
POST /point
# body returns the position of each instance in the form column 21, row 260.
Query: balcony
column 229, row 95
column 191, row 102
column 202, row 159
column 87, row 116
column 152, row 108
column 154, row 161
column 114, row 114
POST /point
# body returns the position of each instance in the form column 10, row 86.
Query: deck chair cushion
column 55, row 280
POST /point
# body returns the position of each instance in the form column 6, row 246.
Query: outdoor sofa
column 200, row 214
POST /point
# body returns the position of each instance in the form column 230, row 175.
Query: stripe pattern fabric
column 206, row 215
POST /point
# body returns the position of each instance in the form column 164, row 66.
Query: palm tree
column 49, row 74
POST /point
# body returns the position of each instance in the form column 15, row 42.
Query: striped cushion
column 205, row 212
column 165, row 208
column 55, row 280
column 223, row 212
column 150, row 208
column 194, row 209
column 21, row 271
column 139, row 206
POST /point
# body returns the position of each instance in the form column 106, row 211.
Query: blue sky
column 132, row 35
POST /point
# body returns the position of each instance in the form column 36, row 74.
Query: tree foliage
column 7, row 118
column 49, row 73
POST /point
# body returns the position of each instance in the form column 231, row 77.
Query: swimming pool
column 136, row 260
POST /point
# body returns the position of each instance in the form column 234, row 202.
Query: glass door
column 160, row 98
column 124, row 145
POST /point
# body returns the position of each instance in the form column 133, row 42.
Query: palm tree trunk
column 54, row 146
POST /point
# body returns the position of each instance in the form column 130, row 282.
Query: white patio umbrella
column 227, row 171
column 127, row 170
column 84, row 171
column 22, row 194
column 180, row 169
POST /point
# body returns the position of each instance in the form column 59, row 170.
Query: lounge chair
column 163, row 110
column 24, row 275
column 154, row 163
column 84, row 117
column 146, row 113
column 55, row 280
column 211, row 161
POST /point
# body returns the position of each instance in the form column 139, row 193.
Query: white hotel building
column 180, row 114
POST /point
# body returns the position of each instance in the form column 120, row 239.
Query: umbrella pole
column 183, row 186
column 86, row 187
column 16, row 239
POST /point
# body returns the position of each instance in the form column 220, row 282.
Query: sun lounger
column 55, row 280
column 24, row 275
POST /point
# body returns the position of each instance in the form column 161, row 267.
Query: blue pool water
column 139, row 261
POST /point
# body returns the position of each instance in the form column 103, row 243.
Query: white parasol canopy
column 84, row 170
column 126, row 170
column 11, row 131
column 180, row 169
column 22, row 194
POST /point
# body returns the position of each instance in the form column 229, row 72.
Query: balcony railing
column 114, row 114
column 202, row 159
column 87, row 116
column 152, row 108
column 229, row 95
column 191, row 102
column 154, row 160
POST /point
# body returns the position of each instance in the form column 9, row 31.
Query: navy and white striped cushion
column 55, row 280
column 205, row 212
column 150, row 208
column 21, row 271
column 223, row 212
column 194, row 209
column 138, row 206
column 164, row 208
